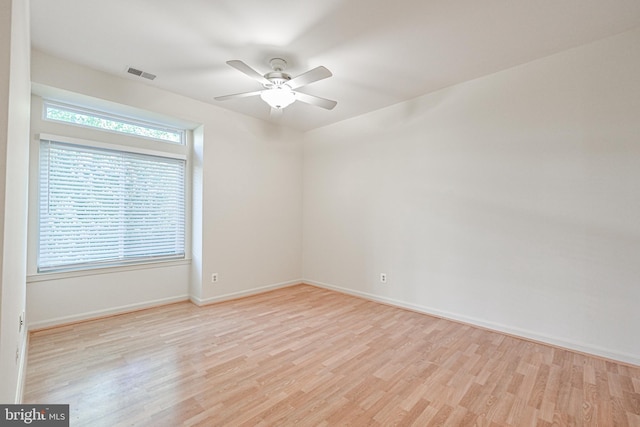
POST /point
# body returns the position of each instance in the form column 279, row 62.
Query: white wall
column 511, row 201
column 246, row 205
column 57, row 301
column 14, row 160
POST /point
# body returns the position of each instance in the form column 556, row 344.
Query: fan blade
column 237, row 95
column 244, row 68
column 310, row 76
column 316, row 100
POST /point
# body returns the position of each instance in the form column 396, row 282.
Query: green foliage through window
column 115, row 124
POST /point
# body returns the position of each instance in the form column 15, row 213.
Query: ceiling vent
column 141, row 73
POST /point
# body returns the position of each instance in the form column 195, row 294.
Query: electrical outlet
column 383, row 277
column 214, row 277
column 21, row 322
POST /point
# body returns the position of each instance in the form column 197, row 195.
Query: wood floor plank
column 302, row 356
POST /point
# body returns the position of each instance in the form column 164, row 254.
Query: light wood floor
column 303, row 356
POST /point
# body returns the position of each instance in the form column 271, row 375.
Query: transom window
column 83, row 117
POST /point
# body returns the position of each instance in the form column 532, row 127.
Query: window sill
column 42, row 277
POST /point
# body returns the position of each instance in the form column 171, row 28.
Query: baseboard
column 521, row 333
column 242, row 294
column 517, row 332
column 22, row 367
column 91, row 315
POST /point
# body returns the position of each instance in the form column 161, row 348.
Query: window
column 83, row 117
column 101, row 207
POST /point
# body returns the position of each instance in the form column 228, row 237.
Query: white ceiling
column 381, row 52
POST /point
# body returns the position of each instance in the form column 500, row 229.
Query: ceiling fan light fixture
column 278, row 97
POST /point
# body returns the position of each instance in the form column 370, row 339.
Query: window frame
column 98, row 138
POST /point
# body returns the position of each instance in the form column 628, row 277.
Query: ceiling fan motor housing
column 277, row 77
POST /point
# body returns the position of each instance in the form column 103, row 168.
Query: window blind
column 102, row 207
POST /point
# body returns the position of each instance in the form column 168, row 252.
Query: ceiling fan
column 279, row 86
